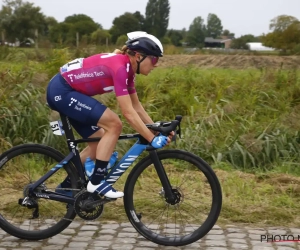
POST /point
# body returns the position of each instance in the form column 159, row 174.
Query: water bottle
column 89, row 167
column 112, row 160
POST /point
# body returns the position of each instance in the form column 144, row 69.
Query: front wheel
column 198, row 199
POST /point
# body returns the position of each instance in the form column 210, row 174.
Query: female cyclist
column 70, row 93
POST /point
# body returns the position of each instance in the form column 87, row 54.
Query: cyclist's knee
column 114, row 124
column 118, row 126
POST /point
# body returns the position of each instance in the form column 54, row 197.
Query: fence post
column 36, row 38
column 3, row 37
column 77, row 39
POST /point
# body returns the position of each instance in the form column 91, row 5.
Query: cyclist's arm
column 133, row 118
column 136, row 104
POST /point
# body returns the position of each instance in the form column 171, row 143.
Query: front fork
column 169, row 196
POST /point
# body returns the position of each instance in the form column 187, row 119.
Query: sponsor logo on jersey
column 72, row 100
column 57, row 98
column 89, row 75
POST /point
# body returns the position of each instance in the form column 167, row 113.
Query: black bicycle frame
column 74, row 157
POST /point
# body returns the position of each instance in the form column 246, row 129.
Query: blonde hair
column 125, row 50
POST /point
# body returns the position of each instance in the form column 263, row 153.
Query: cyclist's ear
column 138, row 56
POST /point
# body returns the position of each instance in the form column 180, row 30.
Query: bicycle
column 144, row 193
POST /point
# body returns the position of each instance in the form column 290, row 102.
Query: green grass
column 271, row 199
column 252, row 199
column 245, row 123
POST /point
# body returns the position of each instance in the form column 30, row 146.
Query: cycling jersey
column 99, row 74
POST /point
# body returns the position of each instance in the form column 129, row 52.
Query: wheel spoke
column 26, row 165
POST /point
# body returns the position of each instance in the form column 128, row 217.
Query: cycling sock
column 99, row 172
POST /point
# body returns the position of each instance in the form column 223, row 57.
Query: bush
column 4, row 51
column 24, row 116
column 121, row 40
column 248, row 118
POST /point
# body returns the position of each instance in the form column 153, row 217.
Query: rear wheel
column 193, row 213
column 19, row 168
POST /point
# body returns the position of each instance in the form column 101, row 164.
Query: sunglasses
column 154, row 60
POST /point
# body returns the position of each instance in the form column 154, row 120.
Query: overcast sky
column 239, row 16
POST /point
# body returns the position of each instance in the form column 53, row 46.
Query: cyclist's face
column 148, row 64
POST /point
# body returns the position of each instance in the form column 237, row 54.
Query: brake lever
column 178, row 131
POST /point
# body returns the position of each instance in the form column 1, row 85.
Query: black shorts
column 83, row 111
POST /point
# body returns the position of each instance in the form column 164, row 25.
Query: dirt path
column 231, row 61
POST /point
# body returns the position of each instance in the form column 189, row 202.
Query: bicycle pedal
column 109, row 199
column 105, row 199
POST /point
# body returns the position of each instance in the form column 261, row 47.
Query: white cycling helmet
column 142, row 41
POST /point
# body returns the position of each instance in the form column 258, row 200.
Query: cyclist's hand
column 160, row 141
column 171, row 135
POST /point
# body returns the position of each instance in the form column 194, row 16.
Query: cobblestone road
column 112, row 235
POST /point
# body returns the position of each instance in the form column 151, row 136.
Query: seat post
column 72, row 143
column 67, row 127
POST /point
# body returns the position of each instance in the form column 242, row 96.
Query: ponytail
column 122, row 51
column 125, row 50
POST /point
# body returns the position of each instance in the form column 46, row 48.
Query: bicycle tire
column 10, row 157
column 137, row 219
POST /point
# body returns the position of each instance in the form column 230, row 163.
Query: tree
column 65, row 32
column 81, row 24
column 176, row 37
column 285, row 40
column 196, row 33
column 61, row 33
column 5, row 18
column 280, row 23
column 272, row 40
column 214, row 26
column 20, row 20
column 51, row 21
column 240, row 43
column 82, row 18
column 227, row 33
column 285, row 35
column 184, row 33
column 157, row 17
column 124, row 24
column 291, row 36
column 121, row 40
column 140, row 18
column 99, row 36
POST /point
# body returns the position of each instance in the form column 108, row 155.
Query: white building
column 258, row 47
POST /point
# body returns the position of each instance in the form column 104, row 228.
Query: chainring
column 82, row 198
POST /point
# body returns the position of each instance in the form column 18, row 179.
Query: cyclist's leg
column 90, row 150
column 86, row 114
column 112, row 125
column 63, row 99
